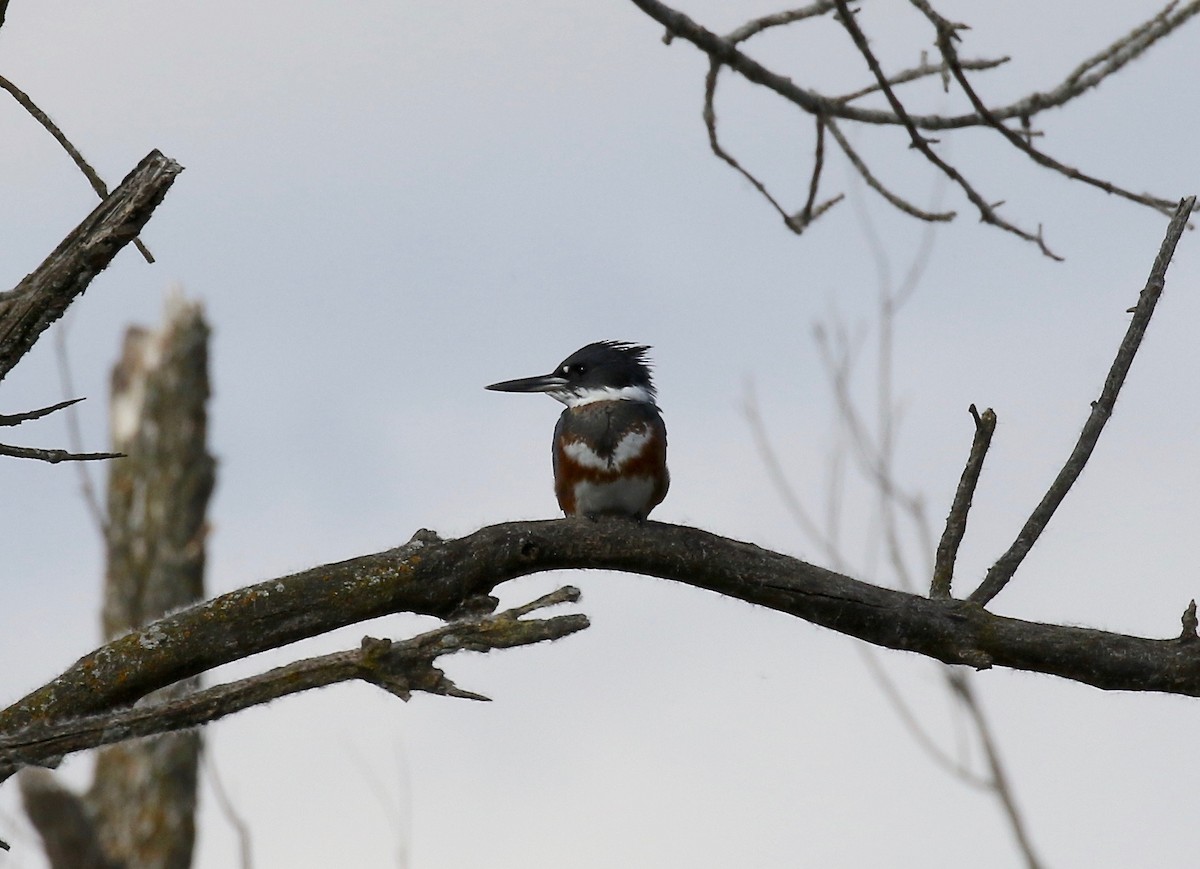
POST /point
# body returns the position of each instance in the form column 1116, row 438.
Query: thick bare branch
column 399, row 667
column 40, row 299
column 1002, row 571
column 434, row 576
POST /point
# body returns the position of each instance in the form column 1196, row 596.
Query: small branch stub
column 1189, row 635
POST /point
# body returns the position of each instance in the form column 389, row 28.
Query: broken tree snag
column 142, row 802
column 143, row 796
column 41, row 298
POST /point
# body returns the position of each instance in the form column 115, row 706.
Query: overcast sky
column 388, row 205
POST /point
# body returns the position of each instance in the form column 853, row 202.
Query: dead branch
column 46, row 455
column 1002, row 571
column 399, row 667
column 725, row 51
column 41, row 298
column 433, row 576
column 987, row 213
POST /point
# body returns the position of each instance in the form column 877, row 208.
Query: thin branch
column 18, row 418
column 46, row 455
column 986, row 212
column 999, row 778
column 54, row 456
column 797, row 222
column 806, row 214
column 922, row 70
column 710, row 124
column 1004, row 568
column 42, row 118
column 877, row 185
column 725, row 51
column 778, row 19
column 947, row 33
column 779, row 481
column 75, row 434
column 1103, row 63
column 956, row 522
column 241, row 829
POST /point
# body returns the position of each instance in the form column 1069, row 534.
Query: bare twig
column 42, row 118
column 725, row 51
column 999, row 783
column 1107, row 61
column 947, row 34
column 225, row 804
column 875, row 184
column 777, row 19
column 1004, row 568
column 46, row 455
column 74, row 433
column 922, row 70
column 18, row 418
column 956, row 522
column 53, row 456
column 986, row 212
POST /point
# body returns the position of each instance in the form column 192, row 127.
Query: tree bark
column 41, row 298
column 142, row 801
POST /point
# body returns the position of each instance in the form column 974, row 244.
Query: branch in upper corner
column 41, row 298
column 987, row 212
column 1002, row 571
column 956, row 522
column 726, row 51
column 947, row 33
column 84, row 166
column 399, row 667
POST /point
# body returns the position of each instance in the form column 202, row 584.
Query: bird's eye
column 575, row 369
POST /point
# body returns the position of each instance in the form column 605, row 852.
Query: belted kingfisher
column 610, row 444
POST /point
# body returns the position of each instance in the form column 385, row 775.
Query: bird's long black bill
column 544, row 383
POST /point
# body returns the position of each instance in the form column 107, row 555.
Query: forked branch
column 829, row 111
column 1002, row 571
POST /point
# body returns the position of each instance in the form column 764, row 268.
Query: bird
column 610, row 443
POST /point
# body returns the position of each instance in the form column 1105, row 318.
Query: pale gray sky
column 388, row 205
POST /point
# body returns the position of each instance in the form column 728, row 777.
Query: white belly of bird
column 625, row 495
